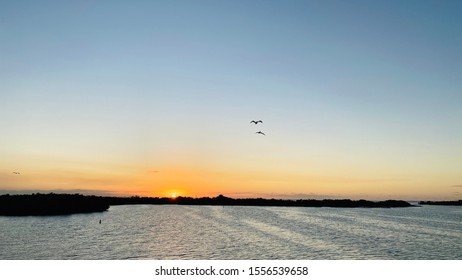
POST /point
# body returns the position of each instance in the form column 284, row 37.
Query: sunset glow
column 156, row 99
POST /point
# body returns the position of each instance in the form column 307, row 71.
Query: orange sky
column 199, row 181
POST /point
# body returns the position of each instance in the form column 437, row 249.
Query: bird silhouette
column 259, row 132
column 256, row 122
column 16, row 173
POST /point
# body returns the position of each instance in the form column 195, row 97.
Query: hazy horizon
column 359, row 99
column 288, row 196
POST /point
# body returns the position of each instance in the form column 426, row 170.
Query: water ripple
column 234, row 232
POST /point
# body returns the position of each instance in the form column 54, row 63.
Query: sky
column 359, row 99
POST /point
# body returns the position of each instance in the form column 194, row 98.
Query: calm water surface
column 234, row 232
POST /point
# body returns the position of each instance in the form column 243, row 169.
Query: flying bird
column 256, row 122
column 16, row 173
column 259, row 132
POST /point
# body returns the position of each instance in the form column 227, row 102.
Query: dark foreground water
column 236, row 232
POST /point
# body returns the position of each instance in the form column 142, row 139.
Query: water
column 234, row 232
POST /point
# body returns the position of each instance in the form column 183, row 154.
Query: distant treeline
column 454, row 202
column 50, row 204
column 222, row 200
column 62, row 204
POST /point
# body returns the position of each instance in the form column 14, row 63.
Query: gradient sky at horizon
column 359, row 99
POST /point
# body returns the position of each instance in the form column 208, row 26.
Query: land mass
column 446, row 203
column 64, row 204
column 223, row 200
column 50, row 204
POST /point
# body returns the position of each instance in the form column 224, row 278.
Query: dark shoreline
column 442, row 203
column 226, row 201
column 66, row 204
column 50, row 204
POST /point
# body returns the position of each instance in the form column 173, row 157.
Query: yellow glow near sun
column 172, row 193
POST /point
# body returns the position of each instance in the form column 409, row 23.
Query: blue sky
column 365, row 92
